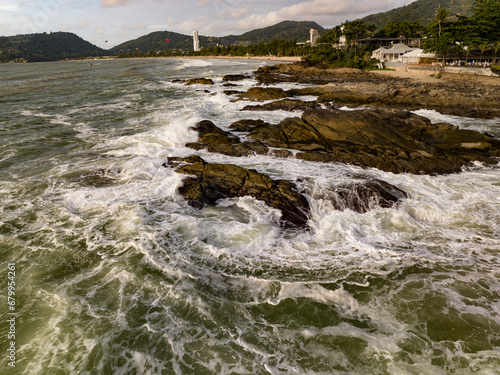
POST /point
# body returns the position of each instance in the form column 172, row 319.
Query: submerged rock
column 212, row 182
column 365, row 196
column 99, row 177
column 195, row 81
column 217, row 140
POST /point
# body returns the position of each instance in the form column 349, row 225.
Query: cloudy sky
column 107, row 23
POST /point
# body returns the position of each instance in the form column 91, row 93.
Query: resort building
column 417, row 56
column 391, row 54
column 196, row 41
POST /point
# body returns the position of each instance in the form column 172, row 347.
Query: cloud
column 99, row 30
column 136, row 26
column 83, row 24
column 113, row 3
column 204, row 3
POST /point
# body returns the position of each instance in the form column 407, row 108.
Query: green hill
column 156, row 41
column 288, row 30
column 46, row 47
column 420, row 10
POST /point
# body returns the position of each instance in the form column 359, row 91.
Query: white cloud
column 83, row 24
column 134, row 26
column 99, row 30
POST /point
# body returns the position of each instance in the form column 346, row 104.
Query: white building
column 391, row 54
column 417, row 56
column 314, row 36
column 196, row 41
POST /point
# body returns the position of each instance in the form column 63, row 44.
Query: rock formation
column 212, row 182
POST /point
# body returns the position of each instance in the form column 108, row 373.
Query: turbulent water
column 116, row 274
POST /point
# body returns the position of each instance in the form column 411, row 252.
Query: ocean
column 107, row 270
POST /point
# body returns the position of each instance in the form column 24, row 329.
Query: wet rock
column 247, row 125
column 217, row 140
column 197, row 81
column 391, row 140
column 284, row 105
column 232, row 92
column 235, row 77
column 264, row 93
column 212, row 182
column 305, row 72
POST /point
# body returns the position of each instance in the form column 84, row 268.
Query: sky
column 107, row 23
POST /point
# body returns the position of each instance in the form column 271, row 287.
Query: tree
column 496, row 48
column 441, row 16
column 397, row 29
column 488, row 11
column 354, row 30
column 483, row 47
column 333, row 36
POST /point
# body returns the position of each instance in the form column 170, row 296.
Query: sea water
column 116, row 274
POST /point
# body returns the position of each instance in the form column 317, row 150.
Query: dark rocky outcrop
column 217, row 140
column 391, row 140
column 235, row 77
column 212, row 182
column 353, row 87
column 284, row 105
column 247, row 125
column 306, row 72
column 195, row 81
column 264, row 93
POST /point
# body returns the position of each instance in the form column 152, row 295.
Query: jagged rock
column 284, row 105
column 199, row 81
column 247, row 125
column 353, row 87
column 231, row 92
column 217, row 140
column 391, row 140
column 212, row 182
column 235, row 77
column 305, row 72
column 264, row 93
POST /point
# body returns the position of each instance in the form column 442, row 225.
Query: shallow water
column 116, row 274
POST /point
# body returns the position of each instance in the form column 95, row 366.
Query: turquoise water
column 116, row 274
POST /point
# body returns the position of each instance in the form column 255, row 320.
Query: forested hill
column 287, row 30
column 46, row 47
column 161, row 40
column 156, row 41
column 420, row 10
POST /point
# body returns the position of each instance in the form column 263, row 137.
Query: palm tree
column 496, row 48
column 441, row 16
column 483, row 47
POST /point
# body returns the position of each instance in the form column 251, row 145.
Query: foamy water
column 116, row 274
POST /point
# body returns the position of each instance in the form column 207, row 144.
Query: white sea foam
column 194, row 63
column 128, row 263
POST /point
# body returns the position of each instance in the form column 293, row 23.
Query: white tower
column 196, row 41
column 314, row 36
